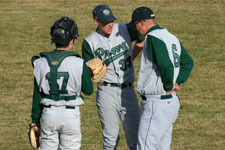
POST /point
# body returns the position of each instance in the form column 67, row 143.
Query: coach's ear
column 96, row 21
column 33, row 59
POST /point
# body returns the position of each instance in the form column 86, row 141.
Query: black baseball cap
column 103, row 14
column 142, row 13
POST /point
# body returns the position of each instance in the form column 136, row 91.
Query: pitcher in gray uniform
column 165, row 64
column 116, row 99
column 59, row 78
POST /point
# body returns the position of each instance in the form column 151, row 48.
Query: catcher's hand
column 33, row 134
column 97, row 67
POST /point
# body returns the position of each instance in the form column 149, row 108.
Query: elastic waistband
column 58, row 97
column 67, row 107
column 123, row 85
column 162, row 97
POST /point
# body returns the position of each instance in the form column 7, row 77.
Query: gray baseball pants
column 115, row 104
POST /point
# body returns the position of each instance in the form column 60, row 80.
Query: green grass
column 199, row 24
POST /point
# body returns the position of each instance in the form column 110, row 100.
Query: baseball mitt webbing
column 97, row 67
column 33, row 135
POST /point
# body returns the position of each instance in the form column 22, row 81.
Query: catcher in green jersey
column 115, row 98
column 165, row 64
column 59, row 78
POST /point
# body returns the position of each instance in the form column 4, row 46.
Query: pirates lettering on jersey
column 115, row 53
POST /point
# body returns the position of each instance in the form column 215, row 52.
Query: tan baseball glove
column 33, row 134
column 97, row 67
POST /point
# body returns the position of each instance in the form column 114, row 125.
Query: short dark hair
column 61, row 45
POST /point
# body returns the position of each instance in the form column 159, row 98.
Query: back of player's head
column 142, row 13
column 103, row 14
column 63, row 31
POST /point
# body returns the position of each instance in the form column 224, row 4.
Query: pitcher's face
column 105, row 29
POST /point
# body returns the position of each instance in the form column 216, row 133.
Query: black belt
column 143, row 97
column 162, row 97
column 67, row 107
column 123, row 85
column 58, row 97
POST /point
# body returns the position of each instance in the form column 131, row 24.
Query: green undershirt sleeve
column 87, row 85
column 86, row 51
column 134, row 35
column 36, row 106
column 186, row 65
column 157, row 51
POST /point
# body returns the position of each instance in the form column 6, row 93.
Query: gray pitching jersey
column 116, row 52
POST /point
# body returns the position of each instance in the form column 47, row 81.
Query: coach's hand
column 175, row 87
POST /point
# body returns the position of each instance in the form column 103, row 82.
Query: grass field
column 199, row 24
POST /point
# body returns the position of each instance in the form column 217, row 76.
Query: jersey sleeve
column 86, row 85
column 157, row 52
column 186, row 65
column 86, row 51
column 134, row 35
column 36, row 105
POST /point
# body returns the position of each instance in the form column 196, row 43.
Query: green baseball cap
column 142, row 13
column 103, row 14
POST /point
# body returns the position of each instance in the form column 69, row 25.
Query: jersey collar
column 153, row 28
column 64, row 51
column 106, row 36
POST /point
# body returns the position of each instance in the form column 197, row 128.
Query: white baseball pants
column 156, row 122
column 60, row 126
